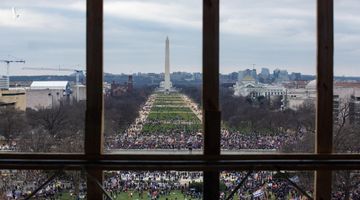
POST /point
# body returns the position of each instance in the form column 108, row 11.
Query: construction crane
column 78, row 72
column 8, row 69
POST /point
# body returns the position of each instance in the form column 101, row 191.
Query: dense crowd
column 261, row 185
column 8, row 147
column 17, row 184
column 157, row 184
column 232, row 140
column 147, row 185
column 354, row 194
column 179, row 139
column 153, row 185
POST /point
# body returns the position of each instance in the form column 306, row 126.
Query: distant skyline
column 274, row 34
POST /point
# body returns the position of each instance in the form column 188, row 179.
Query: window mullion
column 324, row 116
column 211, row 93
column 94, row 92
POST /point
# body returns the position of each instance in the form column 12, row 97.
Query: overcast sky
column 273, row 34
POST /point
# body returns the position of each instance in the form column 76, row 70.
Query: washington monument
column 166, row 85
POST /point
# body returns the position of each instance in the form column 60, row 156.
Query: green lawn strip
column 185, row 116
column 170, row 100
column 170, row 109
column 149, row 128
column 171, row 112
column 169, row 103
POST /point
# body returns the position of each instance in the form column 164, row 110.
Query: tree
column 346, row 182
column 346, row 139
column 121, row 111
column 346, row 134
column 58, row 129
column 53, row 120
column 36, row 140
column 12, row 123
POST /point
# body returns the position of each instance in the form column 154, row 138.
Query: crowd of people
column 185, row 140
column 146, row 185
column 233, row 140
column 153, row 185
column 8, row 146
column 178, row 139
column 175, row 140
column 19, row 184
column 353, row 194
column 261, row 185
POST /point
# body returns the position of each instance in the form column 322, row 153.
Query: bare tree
column 12, row 123
column 36, row 140
column 53, row 120
column 346, row 134
column 58, row 129
column 345, row 182
column 346, row 140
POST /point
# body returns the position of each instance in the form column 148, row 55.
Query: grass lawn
column 148, row 128
column 172, row 113
column 172, row 103
column 185, row 116
column 170, row 109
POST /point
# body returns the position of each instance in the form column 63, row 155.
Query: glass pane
column 345, row 185
column 154, row 185
column 42, row 82
column 346, row 82
column 19, row 184
column 267, row 185
column 152, row 77
column 267, row 76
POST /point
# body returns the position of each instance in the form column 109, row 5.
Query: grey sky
column 275, row 34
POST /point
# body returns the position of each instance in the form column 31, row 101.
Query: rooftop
column 62, row 85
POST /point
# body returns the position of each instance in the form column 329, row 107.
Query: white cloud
column 267, row 19
column 35, row 20
column 58, row 4
column 169, row 14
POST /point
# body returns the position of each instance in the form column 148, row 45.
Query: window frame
column 323, row 161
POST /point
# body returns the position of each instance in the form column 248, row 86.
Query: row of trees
column 121, row 111
column 61, row 128
column 57, row 129
column 260, row 115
